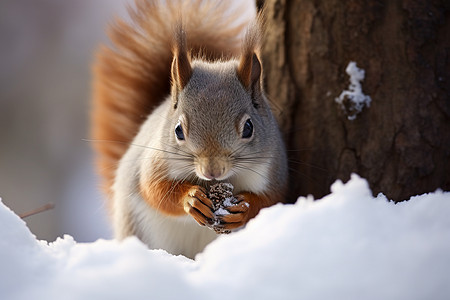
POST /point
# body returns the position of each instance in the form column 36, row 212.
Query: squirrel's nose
column 212, row 174
column 212, row 168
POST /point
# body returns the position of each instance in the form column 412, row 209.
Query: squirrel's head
column 221, row 119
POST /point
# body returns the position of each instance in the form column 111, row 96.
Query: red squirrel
column 179, row 105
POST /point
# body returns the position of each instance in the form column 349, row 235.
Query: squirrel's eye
column 247, row 132
column 179, row 132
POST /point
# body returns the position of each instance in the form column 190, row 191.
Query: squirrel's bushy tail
column 133, row 76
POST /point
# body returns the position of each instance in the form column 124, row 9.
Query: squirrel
column 178, row 105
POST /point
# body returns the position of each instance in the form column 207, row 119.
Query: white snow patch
column 221, row 212
column 348, row 245
column 229, row 201
column 353, row 100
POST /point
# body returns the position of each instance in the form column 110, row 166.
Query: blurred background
column 46, row 50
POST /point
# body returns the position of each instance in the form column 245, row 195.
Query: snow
column 230, row 201
column 348, row 245
column 353, row 100
column 221, row 212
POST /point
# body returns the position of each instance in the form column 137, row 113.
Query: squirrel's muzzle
column 213, row 168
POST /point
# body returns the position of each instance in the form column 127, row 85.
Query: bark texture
column 401, row 143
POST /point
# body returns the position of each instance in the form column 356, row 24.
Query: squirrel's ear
column 249, row 71
column 181, row 64
column 181, row 70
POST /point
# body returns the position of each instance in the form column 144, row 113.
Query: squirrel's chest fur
column 175, row 234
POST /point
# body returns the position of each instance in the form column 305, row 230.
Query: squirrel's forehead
column 217, row 98
column 216, row 95
column 218, row 108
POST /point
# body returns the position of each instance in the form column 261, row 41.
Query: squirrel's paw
column 237, row 217
column 199, row 206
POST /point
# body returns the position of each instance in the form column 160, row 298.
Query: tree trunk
column 401, row 143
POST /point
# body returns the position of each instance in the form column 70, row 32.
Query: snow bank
column 349, row 245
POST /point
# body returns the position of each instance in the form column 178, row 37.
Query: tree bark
column 401, row 143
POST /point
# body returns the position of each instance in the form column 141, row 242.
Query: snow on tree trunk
column 401, row 143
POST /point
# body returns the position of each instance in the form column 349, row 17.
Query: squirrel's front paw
column 238, row 216
column 199, row 206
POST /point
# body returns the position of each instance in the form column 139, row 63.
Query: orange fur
column 133, row 77
column 258, row 202
column 164, row 195
column 240, row 214
column 250, row 49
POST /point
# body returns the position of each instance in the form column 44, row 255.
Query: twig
column 46, row 207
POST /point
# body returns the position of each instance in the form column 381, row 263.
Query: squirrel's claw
column 199, row 206
column 201, row 219
column 226, row 227
column 239, row 207
column 237, row 217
